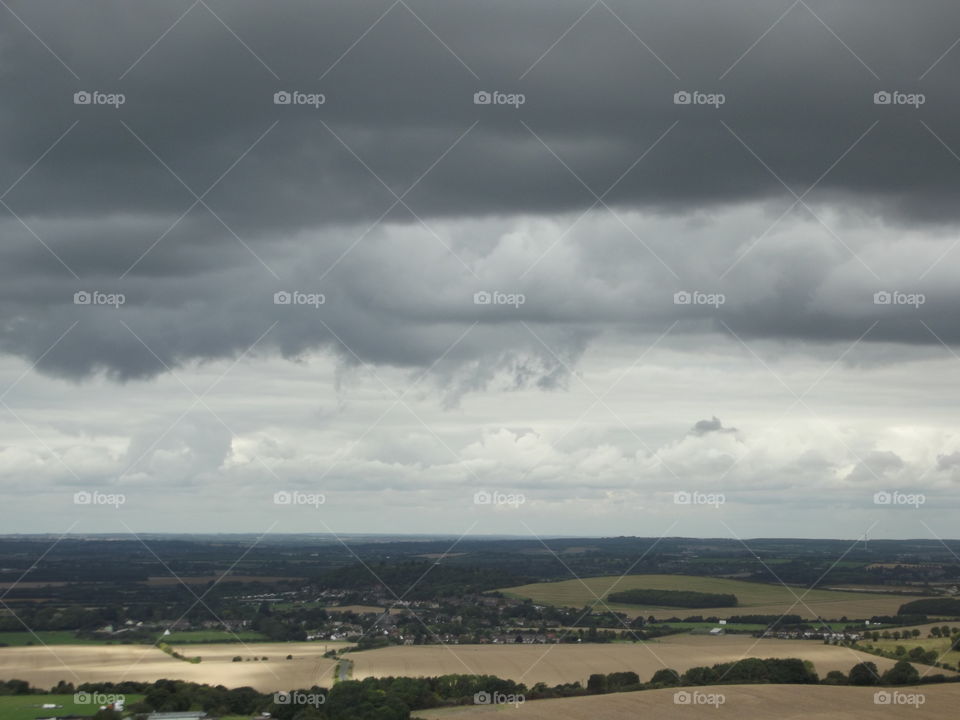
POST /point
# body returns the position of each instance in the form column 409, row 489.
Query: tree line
column 673, row 598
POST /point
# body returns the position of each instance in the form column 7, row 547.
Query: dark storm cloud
column 399, row 98
column 199, row 197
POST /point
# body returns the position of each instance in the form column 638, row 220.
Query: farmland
column 45, row 637
column 68, row 637
column 940, row 645
column 213, row 636
column 43, row 667
column 554, row 664
column 753, row 597
column 785, row 702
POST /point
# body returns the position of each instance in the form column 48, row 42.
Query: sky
column 539, row 268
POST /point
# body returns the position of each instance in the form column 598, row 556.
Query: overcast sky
column 671, row 267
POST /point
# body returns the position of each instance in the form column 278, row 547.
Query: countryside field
column 941, row 645
column 753, row 598
column 69, row 637
column 552, row 664
column 45, row 637
column 43, row 667
column 566, row 663
column 783, row 702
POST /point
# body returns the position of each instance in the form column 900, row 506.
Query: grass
column 48, row 637
column 748, row 627
column 26, row 707
column 213, row 636
column 186, row 637
column 754, row 598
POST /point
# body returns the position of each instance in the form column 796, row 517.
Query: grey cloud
column 300, row 200
column 948, row 462
column 714, row 425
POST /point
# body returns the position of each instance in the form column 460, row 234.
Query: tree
column 903, row 673
column 835, row 677
column 667, row 676
column 700, row 675
column 107, row 714
column 864, row 673
column 597, row 684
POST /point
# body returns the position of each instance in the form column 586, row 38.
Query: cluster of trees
column 673, row 598
column 428, row 581
column 770, row 620
column 932, row 606
column 891, row 634
column 866, row 673
column 57, row 618
column 905, row 619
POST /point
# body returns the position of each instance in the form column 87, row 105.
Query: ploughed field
column 753, row 598
column 759, row 702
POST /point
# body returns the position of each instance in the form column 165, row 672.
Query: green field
column 68, row 637
column 26, row 707
column 47, row 637
column 746, row 627
column 753, row 598
column 213, row 636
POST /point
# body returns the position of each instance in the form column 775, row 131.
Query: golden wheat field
column 554, row 664
column 43, row 667
column 759, row 702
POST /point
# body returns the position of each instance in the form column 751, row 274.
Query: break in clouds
column 494, row 204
